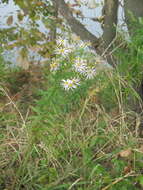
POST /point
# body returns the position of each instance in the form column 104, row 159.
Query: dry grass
column 88, row 148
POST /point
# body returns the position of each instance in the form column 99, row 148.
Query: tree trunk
column 110, row 12
column 110, row 21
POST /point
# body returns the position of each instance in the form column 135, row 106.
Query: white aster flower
column 80, row 65
column 61, row 42
column 62, row 51
column 70, row 83
column 54, row 66
column 90, row 73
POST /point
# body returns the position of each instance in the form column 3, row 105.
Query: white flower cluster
column 70, row 83
column 63, row 47
column 62, row 51
column 80, row 66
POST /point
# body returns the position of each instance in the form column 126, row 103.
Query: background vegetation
column 58, row 138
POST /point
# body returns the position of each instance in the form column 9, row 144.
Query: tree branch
column 75, row 25
column 109, row 29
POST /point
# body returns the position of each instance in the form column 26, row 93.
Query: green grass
column 89, row 138
column 82, row 140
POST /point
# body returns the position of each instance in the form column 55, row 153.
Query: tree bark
column 110, row 13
